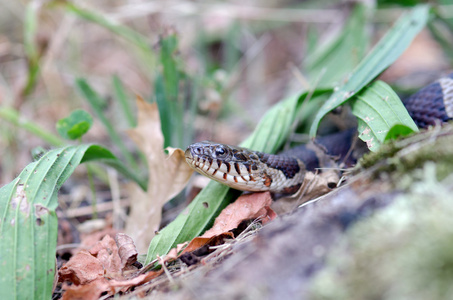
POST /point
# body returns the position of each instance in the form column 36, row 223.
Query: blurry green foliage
column 75, row 125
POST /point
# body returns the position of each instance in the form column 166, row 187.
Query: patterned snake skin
column 248, row 170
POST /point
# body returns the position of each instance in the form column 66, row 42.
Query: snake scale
column 249, row 170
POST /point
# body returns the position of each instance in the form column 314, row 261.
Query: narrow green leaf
column 102, row 155
column 386, row 51
column 198, row 216
column 125, row 32
column 124, row 101
column 30, row 28
column 12, row 115
column 169, row 47
column 75, row 125
column 96, row 104
column 145, row 55
column 378, row 108
column 167, row 85
column 329, row 65
column 273, row 129
column 442, row 30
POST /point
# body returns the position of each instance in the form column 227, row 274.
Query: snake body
column 249, row 170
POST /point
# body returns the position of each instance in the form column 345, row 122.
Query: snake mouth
column 188, row 155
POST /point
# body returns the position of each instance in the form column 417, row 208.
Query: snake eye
column 220, row 151
column 198, row 150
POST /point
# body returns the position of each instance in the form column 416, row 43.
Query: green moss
column 398, row 159
column 402, row 252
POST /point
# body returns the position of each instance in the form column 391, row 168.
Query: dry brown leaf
column 140, row 279
column 106, row 251
column 200, row 241
column 174, row 253
column 88, row 240
column 168, row 175
column 86, row 266
column 126, row 249
column 90, row 291
column 246, row 207
column 94, row 289
column 81, row 269
column 96, row 271
column 201, row 246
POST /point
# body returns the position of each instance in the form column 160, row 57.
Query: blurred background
column 231, row 61
column 213, row 67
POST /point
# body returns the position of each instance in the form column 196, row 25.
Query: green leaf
column 398, row 131
column 13, row 116
column 37, row 152
column 329, row 65
column 28, row 226
column 128, row 34
column 167, row 86
column 75, row 125
column 124, row 101
column 386, row 51
column 30, row 45
column 442, row 30
column 198, row 216
column 95, row 102
column 102, row 155
column 378, row 109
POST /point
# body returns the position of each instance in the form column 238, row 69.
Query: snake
column 248, row 170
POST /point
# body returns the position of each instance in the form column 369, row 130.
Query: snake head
column 207, row 150
column 230, row 165
column 222, row 154
column 245, row 169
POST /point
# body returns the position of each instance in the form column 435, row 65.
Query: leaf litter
column 102, row 270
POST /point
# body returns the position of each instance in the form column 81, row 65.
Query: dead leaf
column 200, row 247
column 200, row 241
column 174, row 253
column 168, row 175
column 140, row 279
column 81, row 269
column 106, row 251
column 94, row 289
column 127, row 251
column 246, row 207
column 90, row 291
column 98, row 270
column 88, row 240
